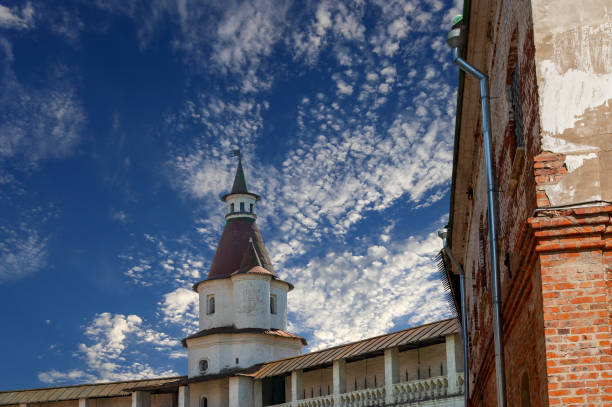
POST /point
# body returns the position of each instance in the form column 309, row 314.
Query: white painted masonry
column 221, row 350
column 236, row 199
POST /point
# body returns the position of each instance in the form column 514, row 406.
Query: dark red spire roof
column 240, row 185
column 240, row 249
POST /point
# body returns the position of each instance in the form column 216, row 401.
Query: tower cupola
column 240, row 202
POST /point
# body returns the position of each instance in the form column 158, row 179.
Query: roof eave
column 460, row 84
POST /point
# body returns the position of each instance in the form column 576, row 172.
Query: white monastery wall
column 161, row 400
column 363, row 370
column 157, row 400
column 279, row 320
column 67, row 403
column 216, row 391
column 315, row 380
column 222, row 350
column 240, row 391
column 224, row 303
column 429, row 357
column 251, row 301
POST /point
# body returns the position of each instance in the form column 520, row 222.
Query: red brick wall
column 555, row 265
column 523, row 322
column 574, row 248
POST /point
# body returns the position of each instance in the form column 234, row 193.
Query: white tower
column 243, row 304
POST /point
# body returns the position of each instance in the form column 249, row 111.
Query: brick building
column 549, row 64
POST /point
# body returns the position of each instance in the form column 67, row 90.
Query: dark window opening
column 210, row 309
column 273, row 390
column 241, row 206
column 251, row 208
column 272, row 304
column 482, row 261
column 513, row 91
column 232, row 207
column 203, row 365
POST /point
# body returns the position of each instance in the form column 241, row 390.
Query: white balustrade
column 404, row 393
column 322, row 401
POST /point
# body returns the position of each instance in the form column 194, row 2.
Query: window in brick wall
column 515, row 98
column 513, row 90
column 482, row 253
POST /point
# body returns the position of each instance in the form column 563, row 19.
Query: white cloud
column 180, row 307
column 22, row 252
column 16, row 18
column 155, row 263
column 346, row 296
column 75, row 375
column 37, row 123
column 109, row 357
column 247, row 32
column 119, row 216
column 344, row 88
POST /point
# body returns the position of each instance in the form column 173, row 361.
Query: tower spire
column 240, row 185
column 241, row 247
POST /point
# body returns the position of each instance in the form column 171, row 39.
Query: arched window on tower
column 232, row 207
column 210, row 304
column 251, row 208
column 272, row 304
column 241, row 206
column 203, row 402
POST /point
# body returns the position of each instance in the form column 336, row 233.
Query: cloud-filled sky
column 117, row 122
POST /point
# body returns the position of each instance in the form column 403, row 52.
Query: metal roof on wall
column 114, row 389
column 404, row 338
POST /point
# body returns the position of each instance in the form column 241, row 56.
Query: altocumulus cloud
column 113, row 340
column 22, row 252
column 349, row 295
column 37, row 123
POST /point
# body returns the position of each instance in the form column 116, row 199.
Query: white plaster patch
column 564, row 99
column 563, row 193
column 573, row 162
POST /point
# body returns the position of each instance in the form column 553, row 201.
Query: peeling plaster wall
column 573, row 41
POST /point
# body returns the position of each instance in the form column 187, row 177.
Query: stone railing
column 365, row 397
column 404, row 394
column 322, row 401
column 425, row 389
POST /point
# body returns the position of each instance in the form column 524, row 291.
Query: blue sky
column 117, row 120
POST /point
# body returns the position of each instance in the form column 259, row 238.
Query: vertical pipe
column 500, row 375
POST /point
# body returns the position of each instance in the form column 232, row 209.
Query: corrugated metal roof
column 113, row 389
column 403, row 338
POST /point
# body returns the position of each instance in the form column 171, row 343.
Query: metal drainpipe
column 500, row 375
column 466, row 367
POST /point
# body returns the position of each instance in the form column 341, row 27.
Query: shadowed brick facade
column 549, row 65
